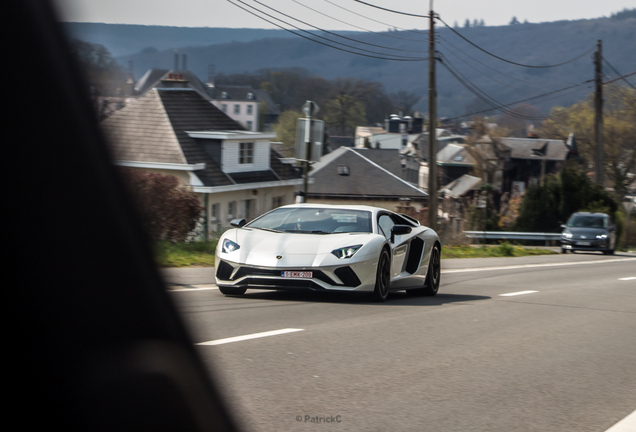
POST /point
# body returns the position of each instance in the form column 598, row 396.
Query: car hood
column 588, row 232
column 261, row 248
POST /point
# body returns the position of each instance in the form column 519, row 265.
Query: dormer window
column 343, row 170
column 250, row 96
column 246, row 153
column 224, row 95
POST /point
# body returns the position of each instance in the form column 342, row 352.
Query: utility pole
column 432, row 125
column 598, row 108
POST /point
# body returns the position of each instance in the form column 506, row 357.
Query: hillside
column 535, row 44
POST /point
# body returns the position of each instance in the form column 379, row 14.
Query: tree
column 545, row 207
column 404, row 101
column 286, row 128
column 104, row 76
column 343, row 113
column 169, row 209
column 517, row 126
column 619, row 132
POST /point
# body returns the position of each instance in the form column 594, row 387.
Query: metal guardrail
column 511, row 235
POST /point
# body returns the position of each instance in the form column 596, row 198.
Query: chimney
column 211, row 71
column 184, row 62
column 176, row 61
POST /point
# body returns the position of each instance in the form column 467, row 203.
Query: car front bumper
column 588, row 245
column 350, row 276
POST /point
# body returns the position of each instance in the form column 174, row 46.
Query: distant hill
column 125, row 39
column 535, row 44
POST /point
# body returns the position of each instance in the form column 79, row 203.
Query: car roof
column 341, row 207
column 590, row 214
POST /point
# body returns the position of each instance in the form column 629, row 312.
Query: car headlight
column 346, row 252
column 601, row 236
column 229, row 246
column 567, row 235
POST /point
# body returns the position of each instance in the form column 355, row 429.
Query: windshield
column 314, row 221
column 586, row 221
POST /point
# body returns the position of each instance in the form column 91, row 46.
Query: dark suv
column 589, row 232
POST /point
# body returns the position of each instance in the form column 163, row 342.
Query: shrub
column 169, row 209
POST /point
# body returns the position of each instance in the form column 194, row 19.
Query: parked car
column 329, row 248
column 589, row 232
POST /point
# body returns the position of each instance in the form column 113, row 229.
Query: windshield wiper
column 268, row 229
column 308, row 232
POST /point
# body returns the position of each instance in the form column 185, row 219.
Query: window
column 249, row 125
column 237, row 109
column 250, row 96
column 214, row 212
column 231, row 209
column 250, row 109
column 224, row 108
column 385, row 223
column 224, row 95
column 248, row 209
column 246, row 153
column 343, row 170
column 278, row 201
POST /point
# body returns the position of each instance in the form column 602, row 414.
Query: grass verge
column 505, row 249
column 193, row 254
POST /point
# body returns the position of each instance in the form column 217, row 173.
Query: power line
column 620, row 77
column 332, row 33
column 355, row 26
column 374, row 20
column 380, row 56
column 509, row 61
column 483, row 64
column 528, row 99
column 391, row 10
column 481, row 72
column 481, row 94
column 617, row 73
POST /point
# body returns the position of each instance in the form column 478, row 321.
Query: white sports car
column 326, row 247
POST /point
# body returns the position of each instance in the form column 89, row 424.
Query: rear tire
column 382, row 277
column 232, row 291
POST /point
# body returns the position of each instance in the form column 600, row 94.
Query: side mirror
column 239, row 223
column 562, row 225
column 399, row 230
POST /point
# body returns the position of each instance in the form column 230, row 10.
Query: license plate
column 297, row 274
column 583, row 243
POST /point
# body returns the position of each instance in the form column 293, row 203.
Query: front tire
column 232, row 290
column 434, row 275
column 382, row 277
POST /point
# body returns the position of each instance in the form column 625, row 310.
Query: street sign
column 310, row 108
column 317, row 132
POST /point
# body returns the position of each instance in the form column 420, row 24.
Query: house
column 454, row 161
column 362, row 176
column 176, row 131
column 240, row 103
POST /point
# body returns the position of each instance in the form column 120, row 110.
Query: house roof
column 155, row 129
column 349, row 173
column 533, row 148
column 462, row 185
column 233, row 92
column 455, row 155
column 157, row 78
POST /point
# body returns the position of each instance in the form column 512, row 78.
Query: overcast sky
column 221, row 13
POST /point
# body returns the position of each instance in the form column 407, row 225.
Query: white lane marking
column 517, row 293
column 250, row 336
column 512, row 267
column 628, row 424
column 627, row 278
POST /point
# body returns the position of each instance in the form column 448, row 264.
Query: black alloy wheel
column 434, row 275
column 382, row 277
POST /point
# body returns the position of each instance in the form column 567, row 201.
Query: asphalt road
column 559, row 358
